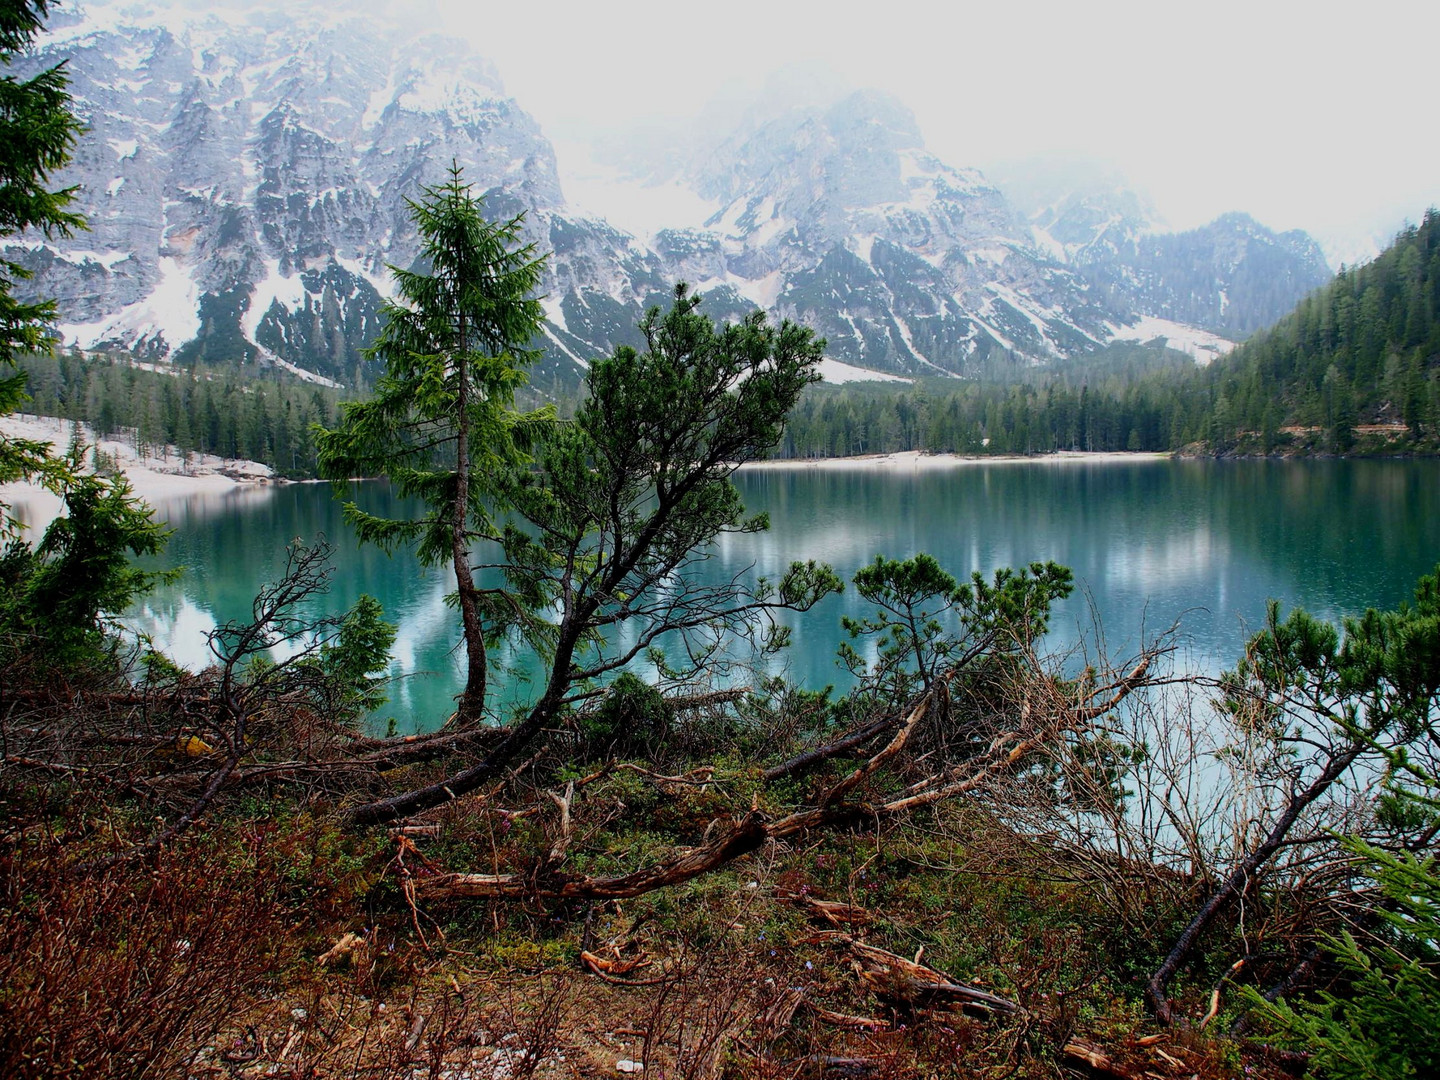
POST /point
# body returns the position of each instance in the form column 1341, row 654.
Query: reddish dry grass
column 129, row 973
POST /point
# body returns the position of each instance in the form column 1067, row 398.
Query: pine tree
column 1373, row 1024
column 441, row 424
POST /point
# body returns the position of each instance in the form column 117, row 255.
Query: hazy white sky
column 1311, row 115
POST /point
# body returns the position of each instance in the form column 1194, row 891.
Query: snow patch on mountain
column 838, row 373
column 1202, row 345
column 559, row 343
column 168, row 315
column 299, row 372
column 274, row 287
column 639, row 207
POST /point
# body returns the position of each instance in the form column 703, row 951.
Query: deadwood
column 1245, row 874
column 1079, row 1052
column 733, row 837
column 890, row 976
column 803, row 763
column 233, row 709
column 502, row 746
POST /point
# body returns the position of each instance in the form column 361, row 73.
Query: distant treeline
column 1109, row 406
column 195, row 409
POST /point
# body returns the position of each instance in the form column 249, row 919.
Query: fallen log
column 775, row 1020
column 834, row 912
column 1093, row 1059
column 1007, row 751
column 845, row 1020
column 705, row 700
column 742, row 838
column 810, row 758
column 611, row 971
column 892, row 976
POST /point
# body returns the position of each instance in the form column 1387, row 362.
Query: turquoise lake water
column 1150, row 542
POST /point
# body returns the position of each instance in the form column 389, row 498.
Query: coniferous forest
column 195, row 410
column 1364, row 349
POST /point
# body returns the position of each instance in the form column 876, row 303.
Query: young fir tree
column 441, row 423
column 622, row 509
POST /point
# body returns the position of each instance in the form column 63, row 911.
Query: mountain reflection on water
column 1150, row 542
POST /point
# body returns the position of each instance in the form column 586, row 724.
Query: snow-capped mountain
column 1232, row 277
column 1098, row 225
column 246, row 174
column 839, row 217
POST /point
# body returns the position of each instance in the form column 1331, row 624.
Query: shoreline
column 172, row 475
column 155, row 479
column 919, row 460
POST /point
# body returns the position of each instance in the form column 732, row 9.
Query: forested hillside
column 1355, row 368
column 192, row 409
column 1364, row 349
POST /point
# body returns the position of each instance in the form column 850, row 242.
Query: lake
column 1150, row 542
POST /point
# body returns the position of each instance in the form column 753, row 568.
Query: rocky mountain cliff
column 246, row 175
column 841, row 219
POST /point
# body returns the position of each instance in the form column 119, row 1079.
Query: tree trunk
column 472, row 699
column 509, row 747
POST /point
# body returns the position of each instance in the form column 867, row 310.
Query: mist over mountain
column 246, row 174
column 1232, row 276
column 246, row 177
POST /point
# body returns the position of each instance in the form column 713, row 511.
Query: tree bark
column 809, row 759
column 452, row 787
column 467, row 780
column 472, row 700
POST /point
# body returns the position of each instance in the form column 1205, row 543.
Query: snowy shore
column 917, row 461
column 156, row 478
column 172, row 475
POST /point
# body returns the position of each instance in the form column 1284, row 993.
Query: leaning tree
column 611, row 525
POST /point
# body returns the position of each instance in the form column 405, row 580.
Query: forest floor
column 273, row 941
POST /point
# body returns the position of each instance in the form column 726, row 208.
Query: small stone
column 625, row 1065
